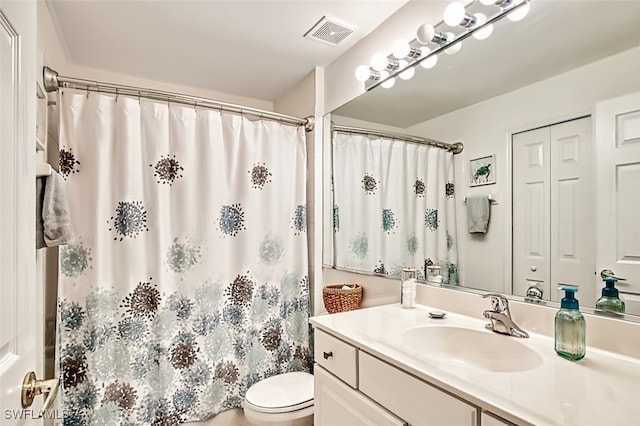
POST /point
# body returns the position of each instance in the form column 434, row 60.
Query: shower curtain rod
column 455, row 148
column 53, row 81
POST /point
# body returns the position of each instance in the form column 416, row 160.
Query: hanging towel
column 478, row 212
column 53, row 227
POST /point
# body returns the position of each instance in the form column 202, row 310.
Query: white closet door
column 572, row 205
column 531, row 212
column 618, row 201
column 553, row 209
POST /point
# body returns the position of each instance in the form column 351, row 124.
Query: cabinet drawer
column 336, row 356
column 410, row 398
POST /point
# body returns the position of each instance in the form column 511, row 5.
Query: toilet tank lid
column 282, row 390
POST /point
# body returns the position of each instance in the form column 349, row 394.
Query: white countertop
column 602, row 389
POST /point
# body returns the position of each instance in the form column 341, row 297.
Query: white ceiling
column 254, row 49
column 556, row 36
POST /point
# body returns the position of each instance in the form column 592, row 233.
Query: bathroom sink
column 478, row 348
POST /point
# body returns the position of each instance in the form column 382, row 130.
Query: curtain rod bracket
column 457, row 147
column 50, row 78
column 310, row 124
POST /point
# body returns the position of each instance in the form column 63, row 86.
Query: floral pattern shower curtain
column 188, row 280
column 393, row 206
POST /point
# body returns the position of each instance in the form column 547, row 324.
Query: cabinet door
column 336, row 404
column 489, row 419
column 410, row 398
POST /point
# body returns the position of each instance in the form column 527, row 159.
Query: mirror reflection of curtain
column 393, row 206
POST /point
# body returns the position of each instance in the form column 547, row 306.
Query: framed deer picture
column 482, row 171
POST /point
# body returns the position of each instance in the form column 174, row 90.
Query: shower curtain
column 393, row 206
column 188, row 280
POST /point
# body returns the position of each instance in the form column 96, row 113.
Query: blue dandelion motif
column 74, row 259
column 182, row 256
column 234, row 315
column 130, row 219
column 336, row 218
column 300, row 219
column 451, row 242
column 181, row 305
column 452, row 271
column 231, row 219
column 431, row 219
column 73, row 418
column 413, row 244
column 269, row 294
column 98, row 336
column 197, row 375
column 283, row 354
column 271, row 250
column 359, row 246
column 133, row 329
column 71, row 314
column 204, row 324
column 389, row 221
column 232, row 401
column 184, row 400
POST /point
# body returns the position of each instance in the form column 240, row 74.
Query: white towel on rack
column 53, row 220
column 478, row 213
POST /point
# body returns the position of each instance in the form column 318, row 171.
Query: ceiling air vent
column 328, row 31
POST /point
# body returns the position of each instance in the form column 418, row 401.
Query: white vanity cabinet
column 353, row 387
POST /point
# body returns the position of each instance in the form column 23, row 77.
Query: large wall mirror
column 547, row 101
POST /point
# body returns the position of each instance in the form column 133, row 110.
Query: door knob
column 609, row 273
column 32, row 387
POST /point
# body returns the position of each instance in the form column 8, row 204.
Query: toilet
column 281, row 400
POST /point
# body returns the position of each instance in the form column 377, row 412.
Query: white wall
column 52, row 53
column 485, row 128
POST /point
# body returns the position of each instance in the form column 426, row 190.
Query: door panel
column 618, row 201
column 531, row 214
column 572, row 208
column 21, row 301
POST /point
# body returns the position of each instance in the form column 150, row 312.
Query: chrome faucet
column 500, row 317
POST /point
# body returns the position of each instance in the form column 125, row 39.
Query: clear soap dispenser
column 610, row 302
column 570, row 327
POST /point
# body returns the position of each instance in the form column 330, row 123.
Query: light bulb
column 425, row 33
column 456, row 47
column 363, row 73
column 389, row 83
column 522, row 11
column 484, row 32
column 431, row 61
column 454, row 14
column 408, row 74
column 379, row 61
column 400, row 48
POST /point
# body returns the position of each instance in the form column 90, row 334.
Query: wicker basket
column 338, row 300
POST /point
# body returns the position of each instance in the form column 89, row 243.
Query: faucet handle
column 498, row 301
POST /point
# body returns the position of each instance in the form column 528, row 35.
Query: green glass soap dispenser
column 570, row 327
column 610, row 302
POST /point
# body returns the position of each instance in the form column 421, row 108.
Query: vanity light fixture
column 384, row 69
column 518, row 12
